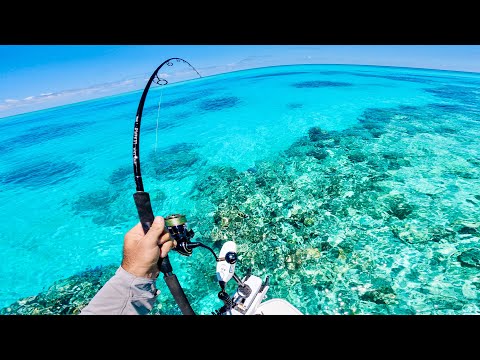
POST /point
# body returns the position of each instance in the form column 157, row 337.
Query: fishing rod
column 251, row 290
column 144, row 206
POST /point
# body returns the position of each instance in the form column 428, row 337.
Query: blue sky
column 34, row 77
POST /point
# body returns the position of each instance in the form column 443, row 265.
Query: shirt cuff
column 138, row 284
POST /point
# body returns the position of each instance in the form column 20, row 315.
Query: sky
column 35, row 77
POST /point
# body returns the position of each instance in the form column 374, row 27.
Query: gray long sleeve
column 123, row 294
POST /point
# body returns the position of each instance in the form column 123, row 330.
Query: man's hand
column 142, row 251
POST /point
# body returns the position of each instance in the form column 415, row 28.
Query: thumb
column 156, row 229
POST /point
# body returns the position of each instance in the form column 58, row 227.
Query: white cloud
column 45, row 100
column 10, row 107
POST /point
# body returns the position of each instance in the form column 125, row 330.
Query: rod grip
column 145, row 213
column 178, row 294
column 144, row 208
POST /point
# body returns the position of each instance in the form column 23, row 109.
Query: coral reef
column 65, row 297
column 40, row 134
column 174, row 161
column 217, row 104
column 466, row 95
column 380, row 218
column 42, row 173
column 171, row 162
column 69, row 296
column 361, row 221
column 294, row 105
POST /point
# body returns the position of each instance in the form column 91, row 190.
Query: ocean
column 356, row 188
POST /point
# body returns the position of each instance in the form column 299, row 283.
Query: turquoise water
column 361, row 185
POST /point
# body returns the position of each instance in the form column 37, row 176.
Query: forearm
column 123, row 294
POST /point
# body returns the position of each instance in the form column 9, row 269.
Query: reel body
column 176, row 225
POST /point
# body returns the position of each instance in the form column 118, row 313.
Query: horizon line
column 236, row 71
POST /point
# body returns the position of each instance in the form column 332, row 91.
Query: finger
column 156, row 229
column 136, row 230
column 164, row 237
column 134, row 234
column 166, row 248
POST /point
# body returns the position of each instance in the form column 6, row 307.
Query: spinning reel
column 251, row 290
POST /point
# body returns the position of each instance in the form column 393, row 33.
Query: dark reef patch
column 316, row 134
column 375, row 118
column 445, row 130
column 175, row 102
column 298, row 148
column 164, row 123
column 42, row 173
column 397, row 206
column 467, row 230
column 357, row 156
column 220, row 103
column 470, row 258
column 101, row 207
column 175, row 161
column 446, row 107
column 121, row 175
column 294, row 105
column 186, row 99
column 171, row 162
column 318, row 154
column 179, row 116
column 383, row 295
column 464, row 94
column 105, row 207
column 211, row 181
column 178, row 99
column 93, row 201
column 41, row 134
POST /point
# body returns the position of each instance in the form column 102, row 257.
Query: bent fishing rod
column 175, row 224
column 251, row 290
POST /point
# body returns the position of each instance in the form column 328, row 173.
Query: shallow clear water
column 361, row 185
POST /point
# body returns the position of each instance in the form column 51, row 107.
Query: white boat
column 250, row 295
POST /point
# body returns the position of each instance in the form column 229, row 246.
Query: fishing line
column 143, row 202
column 159, row 80
column 158, row 115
